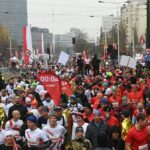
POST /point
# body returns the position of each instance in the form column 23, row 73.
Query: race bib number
column 115, row 104
column 143, row 147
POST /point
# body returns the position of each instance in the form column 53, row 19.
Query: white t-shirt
column 39, row 88
column 50, row 105
column 14, row 126
column 2, row 139
column 84, row 126
column 35, row 137
column 8, row 107
column 56, row 135
column 75, row 108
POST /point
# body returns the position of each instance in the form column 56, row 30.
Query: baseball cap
column 32, row 118
column 96, row 112
column 79, row 129
column 73, row 97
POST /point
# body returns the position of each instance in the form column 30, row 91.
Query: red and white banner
column 41, row 51
column 16, row 53
column 66, row 87
column 27, row 42
column 52, row 84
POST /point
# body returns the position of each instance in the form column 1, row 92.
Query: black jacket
column 22, row 109
column 93, row 131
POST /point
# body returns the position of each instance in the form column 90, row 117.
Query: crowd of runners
column 108, row 110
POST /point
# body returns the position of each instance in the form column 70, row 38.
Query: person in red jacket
column 88, row 113
column 110, row 119
column 115, row 100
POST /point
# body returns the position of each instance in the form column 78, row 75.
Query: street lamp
column 118, row 34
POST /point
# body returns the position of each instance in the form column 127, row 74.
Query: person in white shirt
column 74, row 106
column 61, row 119
column 10, row 87
column 11, row 103
column 39, row 88
column 35, row 137
column 2, row 134
column 14, row 125
column 55, row 132
column 79, row 123
column 49, row 103
column 4, row 97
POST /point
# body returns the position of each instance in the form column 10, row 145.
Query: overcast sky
column 60, row 15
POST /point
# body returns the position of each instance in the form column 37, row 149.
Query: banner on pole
column 27, row 42
column 66, row 87
column 52, row 84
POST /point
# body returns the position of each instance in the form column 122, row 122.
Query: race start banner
column 52, row 84
column 66, row 87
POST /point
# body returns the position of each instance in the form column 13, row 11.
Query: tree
column 123, row 39
column 4, row 42
column 81, row 43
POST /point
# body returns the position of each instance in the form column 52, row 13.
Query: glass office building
column 13, row 16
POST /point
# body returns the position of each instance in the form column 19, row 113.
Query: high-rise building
column 133, row 17
column 108, row 22
column 47, row 38
column 13, row 16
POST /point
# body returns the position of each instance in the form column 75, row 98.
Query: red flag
column 66, row 87
column 52, row 84
column 16, row 53
column 27, row 42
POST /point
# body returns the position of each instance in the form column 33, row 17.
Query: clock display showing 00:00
column 48, row 79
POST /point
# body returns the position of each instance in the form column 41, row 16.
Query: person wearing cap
column 88, row 113
column 61, row 119
column 2, row 133
column 80, row 142
column 103, row 103
column 18, row 106
column 10, row 143
column 14, row 125
column 126, row 124
column 35, row 137
column 74, row 106
column 109, row 118
column 115, row 141
column 55, row 133
column 49, row 102
column 95, row 127
column 43, row 119
column 79, row 123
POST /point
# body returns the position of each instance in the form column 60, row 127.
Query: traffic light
column 48, row 50
column 73, row 41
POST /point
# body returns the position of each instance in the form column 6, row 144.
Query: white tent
column 14, row 59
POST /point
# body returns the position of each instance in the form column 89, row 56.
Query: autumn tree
column 4, row 42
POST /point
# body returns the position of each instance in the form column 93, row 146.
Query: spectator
column 95, row 127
